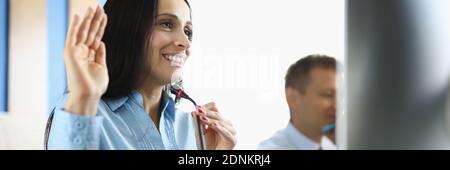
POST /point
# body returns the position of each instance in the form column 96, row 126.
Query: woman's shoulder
column 103, row 107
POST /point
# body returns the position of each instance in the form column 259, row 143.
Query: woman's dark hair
column 128, row 31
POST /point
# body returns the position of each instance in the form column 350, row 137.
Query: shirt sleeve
column 73, row 132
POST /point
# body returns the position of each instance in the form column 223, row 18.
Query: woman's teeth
column 175, row 60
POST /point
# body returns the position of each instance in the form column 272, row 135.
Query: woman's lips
column 176, row 60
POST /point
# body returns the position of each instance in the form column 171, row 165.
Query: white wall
column 22, row 127
column 24, row 124
column 242, row 49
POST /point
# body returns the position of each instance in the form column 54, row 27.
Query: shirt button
column 79, row 125
column 77, row 140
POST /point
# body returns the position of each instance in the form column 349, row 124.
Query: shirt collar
column 299, row 139
column 167, row 104
column 327, row 144
column 116, row 103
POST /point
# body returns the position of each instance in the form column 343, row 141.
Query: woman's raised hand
column 85, row 62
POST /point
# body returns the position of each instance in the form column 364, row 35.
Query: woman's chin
column 176, row 72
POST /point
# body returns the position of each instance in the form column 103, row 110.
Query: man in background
column 310, row 89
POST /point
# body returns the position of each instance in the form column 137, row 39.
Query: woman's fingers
column 74, row 27
column 100, row 55
column 85, row 25
column 206, row 113
column 100, row 32
column 216, row 116
column 95, row 25
column 210, row 111
column 222, row 129
column 91, row 56
column 211, row 106
column 213, row 118
column 224, row 132
column 89, row 32
column 227, row 127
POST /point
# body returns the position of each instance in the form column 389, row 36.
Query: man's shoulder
column 278, row 141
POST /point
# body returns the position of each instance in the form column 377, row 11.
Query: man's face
column 317, row 104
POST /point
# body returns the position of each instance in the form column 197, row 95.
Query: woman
column 119, row 63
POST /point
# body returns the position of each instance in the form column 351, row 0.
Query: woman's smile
column 176, row 60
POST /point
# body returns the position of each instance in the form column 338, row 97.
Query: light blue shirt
column 290, row 138
column 124, row 125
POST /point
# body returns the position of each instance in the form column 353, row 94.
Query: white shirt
column 291, row 138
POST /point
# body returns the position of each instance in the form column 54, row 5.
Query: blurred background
column 397, row 75
column 243, row 48
column 32, row 77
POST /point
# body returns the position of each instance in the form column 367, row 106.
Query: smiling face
column 170, row 41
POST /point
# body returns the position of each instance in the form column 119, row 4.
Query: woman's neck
column 151, row 94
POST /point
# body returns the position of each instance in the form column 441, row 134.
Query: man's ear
column 292, row 97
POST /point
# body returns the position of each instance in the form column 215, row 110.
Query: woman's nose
column 182, row 41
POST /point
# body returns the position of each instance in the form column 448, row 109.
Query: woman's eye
column 188, row 33
column 167, row 25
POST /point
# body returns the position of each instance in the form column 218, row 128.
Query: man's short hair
column 298, row 73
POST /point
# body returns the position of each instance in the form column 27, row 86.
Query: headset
column 47, row 129
column 200, row 129
column 329, row 128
